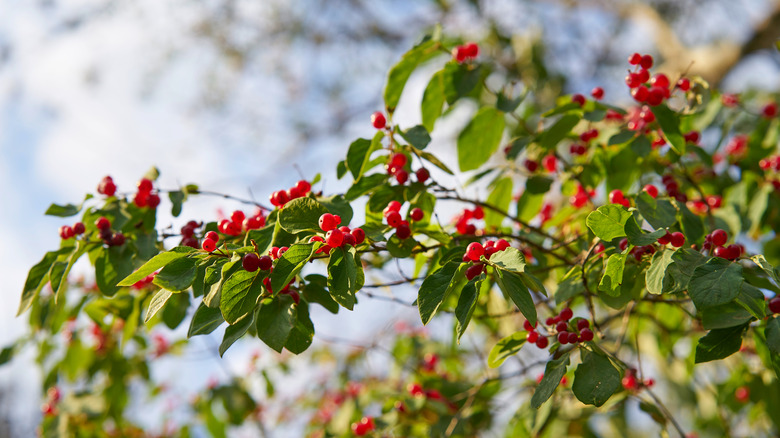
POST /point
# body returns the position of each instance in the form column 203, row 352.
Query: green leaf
column 500, row 197
column 240, row 293
column 290, row 264
column 691, row 224
column 400, row 73
column 726, row 315
column 205, row 320
column 400, row 248
column 761, row 261
column 37, row 278
column 506, row 347
column 301, row 214
column 366, row 184
column 510, row 259
column 342, row 276
column 233, row 333
column 772, row 332
column 719, row 344
column 480, row 139
column 467, row 302
column 595, row 379
column 80, row 249
column 608, row 221
column 177, row 275
column 553, row 373
column 508, row 104
column 654, row 278
column 359, row 154
column 678, row 274
column 758, row 206
column 112, row 264
column 275, row 320
column 459, row 80
column 433, row 160
column 716, row 282
column 417, row 136
column 613, row 275
column 558, row 131
column 262, row 237
column 660, row 213
column 513, row 286
column 638, row 237
column 670, row 124
column 158, row 301
column 433, row 101
column 314, row 292
column 177, row 198
column 156, row 263
column 66, row 210
column 6, row 354
column 621, row 137
column 436, row 287
column 752, row 299
column 172, row 314
column 302, row 333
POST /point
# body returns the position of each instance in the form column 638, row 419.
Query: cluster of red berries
column 639, row 251
column 645, row 89
column 677, row 239
column 465, row 52
column 701, row 206
column 568, row 332
column 142, row 283
column 631, row 383
column 239, row 222
column 336, row 236
column 475, row 251
column 770, row 163
column 416, row 390
column 729, row 100
column 639, row 117
column 392, row 215
column 581, row 197
column 577, row 149
column 673, row 188
column 161, row 345
column 109, row 237
column 429, row 362
column 737, row 146
column 693, row 137
column 188, row 234
column 464, row 221
column 546, row 212
column 49, row 407
column 67, row 232
column 210, row 241
column 252, row 262
column 716, row 241
column 579, row 99
column 364, row 426
column 397, row 165
column 281, row 197
column 107, row 186
column 617, row 197
column 144, row 196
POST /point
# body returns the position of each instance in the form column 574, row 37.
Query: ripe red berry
column 209, row 245
column 402, row 231
column 651, row 190
column 623, row 244
column 251, row 262
column 583, row 324
column 562, row 326
column 393, row 218
column 393, row 206
column 334, row 238
column 532, row 336
column 684, row 84
column 118, row 239
column 597, row 93
column 616, row 196
column 78, row 228
column 349, row 239
column 769, row 110
column 328, row 222
column 719, row 237
column 422, row 174
column 722, row 252
column 417, row 214
column 475, row 250
column 742, row 394
column 656, row 96
column 692, row 137
column 359, row 235
column 774, row 305
column 633, row 80
column 474, row 271
column 527, row 325
column 303, row 187
column 635, row 59
column 102, row 223
column 566, row 314
column 401, row 177
column 107, row 186
column 213, row 236
column 145, row 185
column 578, row 99
column 153, row 200
column 542, row 342
column 678, row 239
column 378, row 120
column 586, row 334
column 563, row 337
column 459, row 53
column 646, row 62
column 471, row 49
column 629, row 382
column 531, row 165
column 550, row 163
column 502, row 244
column 573, row 338
column 265, row 262
column 66, row 232
column 640, row 94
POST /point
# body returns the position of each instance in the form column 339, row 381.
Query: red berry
column 527, row 325
column 629, row 382
column 742, row 394
column 328, row 222
column 616, row 196
column 583, row 324
column 678, row 239
column 475, row 250
column 118, row 239
column 656, row 96
column 254, row 222
column 471, row 49
column 599, row 248
column 640, row 94
column 769, row 110
column 102, row 223
column 563, row 337
column 422, row 174
column 66, row 232
column 550, row 163
column 542, row 342
column 474, row 271
column 532, row 337
column 572, row 339
column 238, row 216
column 566, row 314
column 213, row 236
column 145, row 185
column 334, row 238
column 722, row 252
column 417, row 214
column 597, row 93
column 646, row 62
column 531, row 165
column 623, row 244
column 359, row 235
column 209, row 245
column 684, row 84
column 393, row 218
column 550, row 321
column 459, row 53
column 393, row 206
column 651, row 190
column 378, row 120
column 153, row 201
column 78, row 228
column 251, row 262
column 349, row 239
column 692, row 137
column 502, row 244
column 401, row 177
column 265, row 262
column 141, row 199
column 478, row 213
column 774, row 305
column 303, row 187
column 578, row 99
column 562, row 326
column 402, row 231
column 635, row 59
column 586, row 334
column 719, row 237
column 633, row 80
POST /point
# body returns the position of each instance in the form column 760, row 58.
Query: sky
column 134, row 86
